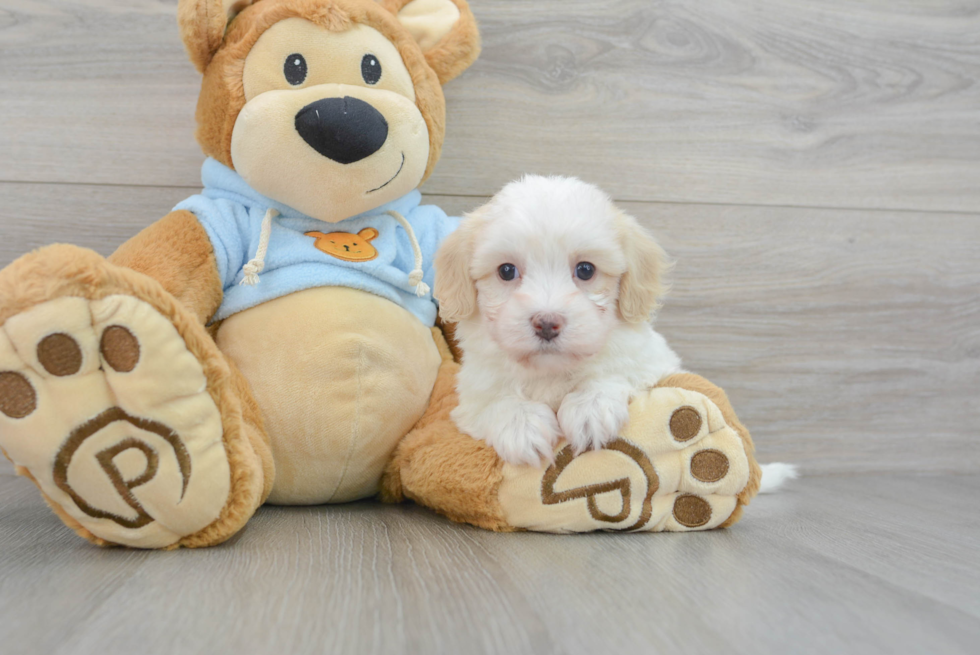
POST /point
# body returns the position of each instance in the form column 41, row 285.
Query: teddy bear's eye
column 507, row 272
column 295, row 69
column 585, row 270
column 370, row 69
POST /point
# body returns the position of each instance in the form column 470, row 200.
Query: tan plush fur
column 170, row 265
column 254, row 428
column 459, row 477
column 223, row 96
column 693, row 382
column 440, row 468
column 202, row 26
column 457, row 50
column 62, row 270
column 338, row 389
column 175, row 251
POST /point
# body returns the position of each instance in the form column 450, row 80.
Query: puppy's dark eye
column 370, row 69
column 507, row 272
column 584, row 270
column 294, row 69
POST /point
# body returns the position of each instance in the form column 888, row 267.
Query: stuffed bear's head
column 332, row 107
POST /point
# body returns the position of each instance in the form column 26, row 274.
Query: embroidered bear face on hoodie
column 374, row 251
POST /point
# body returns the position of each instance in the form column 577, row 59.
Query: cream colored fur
column 518, row 392
column 429, row 21
column 269, row 153
column 356, row 371
column 168, row 386
column 64, row 272
column 341, row 376
column 520, row 491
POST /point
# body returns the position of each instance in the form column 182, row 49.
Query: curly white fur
column 518, row 391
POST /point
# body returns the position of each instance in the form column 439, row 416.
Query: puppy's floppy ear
column 646, row 263
column 202, row 26
column 455, row 289
column 444, row 29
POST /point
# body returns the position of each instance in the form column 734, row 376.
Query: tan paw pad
column 677, row 467
column 109, row 411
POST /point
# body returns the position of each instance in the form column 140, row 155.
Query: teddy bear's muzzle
column 344, row 130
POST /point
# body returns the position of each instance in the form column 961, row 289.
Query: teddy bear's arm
column 177, row 253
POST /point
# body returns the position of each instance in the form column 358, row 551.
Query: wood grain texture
column 847, row 340
column 777, row 102
column 829, row 566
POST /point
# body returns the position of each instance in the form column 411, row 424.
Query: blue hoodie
column 232, row 214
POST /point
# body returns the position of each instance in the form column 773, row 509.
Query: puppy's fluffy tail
column 774, row 476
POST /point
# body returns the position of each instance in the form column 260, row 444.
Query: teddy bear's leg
column 115, row 401
column 717, row 395
column 437, row 466
column 684, row 462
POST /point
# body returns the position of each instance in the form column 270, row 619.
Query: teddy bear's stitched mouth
column 400, row 167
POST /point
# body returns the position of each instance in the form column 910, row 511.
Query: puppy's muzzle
column 345, row 129
column 547, row 326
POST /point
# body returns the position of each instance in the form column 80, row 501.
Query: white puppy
column 553, row 288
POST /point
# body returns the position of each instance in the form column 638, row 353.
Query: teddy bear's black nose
column 345, row 129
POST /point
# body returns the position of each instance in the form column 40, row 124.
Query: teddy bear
column 274, row 338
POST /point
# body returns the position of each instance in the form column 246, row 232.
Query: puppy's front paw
column 527, row 434
column 591, row 418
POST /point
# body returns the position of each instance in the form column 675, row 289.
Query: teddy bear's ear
column 444, row 29
column 202, row 26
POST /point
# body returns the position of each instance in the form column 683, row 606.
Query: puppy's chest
column 550, row 391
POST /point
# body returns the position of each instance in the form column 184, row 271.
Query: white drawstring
column 256, row 264
column 415, row 277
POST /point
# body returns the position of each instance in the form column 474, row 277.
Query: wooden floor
column 813, row 167
column 837, row 564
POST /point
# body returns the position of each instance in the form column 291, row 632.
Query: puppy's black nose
column 547, row 326
column 345, row 129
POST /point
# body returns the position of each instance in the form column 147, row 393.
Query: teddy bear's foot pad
column 677, row 467
column 109, row 412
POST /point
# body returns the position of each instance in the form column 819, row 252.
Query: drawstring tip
column 255, row 265
column 415, row 277
column 421, row 288
column 251, row 271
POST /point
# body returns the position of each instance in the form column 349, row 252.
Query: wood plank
column 91, row 216
column 847, row 340
column 781, row 102
column 836, row 564
column 872, row 524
